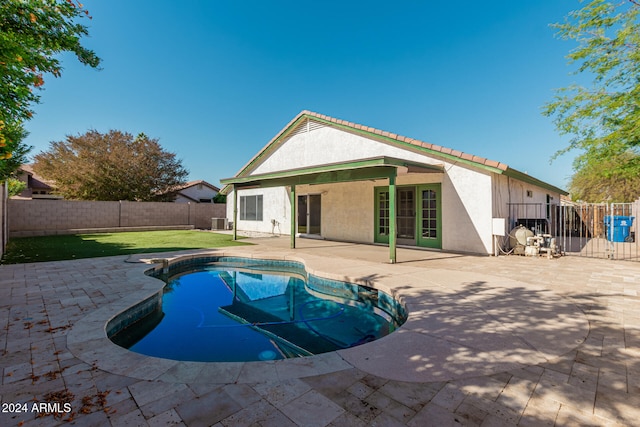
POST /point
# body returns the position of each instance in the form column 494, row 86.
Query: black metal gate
column 599, row 230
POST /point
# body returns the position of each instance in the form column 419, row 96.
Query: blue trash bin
column 621, row 227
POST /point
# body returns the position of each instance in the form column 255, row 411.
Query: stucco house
column 37, row 187
column 199, row 191
column 329, row 178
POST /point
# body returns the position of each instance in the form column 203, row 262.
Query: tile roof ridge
column 195, row 182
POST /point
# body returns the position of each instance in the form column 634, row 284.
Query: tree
column 13, row 152
column 32, row 35
column 15, row 186
column 604, row 118
column 111, row 166
column 599, row 181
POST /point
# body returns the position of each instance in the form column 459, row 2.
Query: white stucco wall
column 276, row 206
column 347, row 210
column 200, row 193
column 527, row 200
column 467, row 211
column 330, row 145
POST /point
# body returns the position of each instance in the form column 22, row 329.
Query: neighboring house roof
column 194, row 183
column 182, row 190
column 391, row 138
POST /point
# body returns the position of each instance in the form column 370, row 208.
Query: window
column 251, row 208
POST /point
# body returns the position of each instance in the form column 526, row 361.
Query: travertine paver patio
column 489, row 341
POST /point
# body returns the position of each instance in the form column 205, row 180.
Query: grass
column 76, row 246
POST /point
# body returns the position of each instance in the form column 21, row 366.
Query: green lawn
column 75, row 246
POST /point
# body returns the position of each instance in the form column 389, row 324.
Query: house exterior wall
column 24, row 177
column 196, row 194
column 466, row 211
column 515, row 200
column 276, row 207
column 470, row 196
column 509, row 190
column 348, row 209
column 329, row 145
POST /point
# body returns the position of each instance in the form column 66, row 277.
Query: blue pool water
column 249, row 310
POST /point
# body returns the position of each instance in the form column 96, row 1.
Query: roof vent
column 306, row 126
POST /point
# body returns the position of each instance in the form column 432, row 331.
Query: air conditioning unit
column 218, row 223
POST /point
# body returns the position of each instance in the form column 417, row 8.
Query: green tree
column 111, row 166
column 13, row 152
column 15, row 186
column 601, row 180
column 220, row 198
column 602, row 119
column 32, row 35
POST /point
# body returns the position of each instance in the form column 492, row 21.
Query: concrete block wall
column 55, row 216
column 203, row 212
column 28, row 215
column 137, row 214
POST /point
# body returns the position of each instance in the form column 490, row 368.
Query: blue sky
column 215, row 80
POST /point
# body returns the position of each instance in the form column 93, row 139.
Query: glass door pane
column 429, row 215
column 314, row 213
column 383, row 213
column 381, row 226
column 302, row 214
column 309, row 211
column 407, row 215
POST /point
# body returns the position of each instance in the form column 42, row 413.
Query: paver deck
column 489, row 341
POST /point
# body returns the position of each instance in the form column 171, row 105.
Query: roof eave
column 294, row 176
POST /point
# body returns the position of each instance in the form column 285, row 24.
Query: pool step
column 291, row 331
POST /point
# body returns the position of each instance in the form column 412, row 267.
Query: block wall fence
column 42, row 217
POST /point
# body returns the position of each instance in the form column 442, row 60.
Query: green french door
column 381, row 234
column 430, row 216
column 418, row 215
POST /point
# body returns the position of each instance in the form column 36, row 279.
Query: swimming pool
column 235, row 309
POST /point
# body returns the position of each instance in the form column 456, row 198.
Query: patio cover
column 357, row 170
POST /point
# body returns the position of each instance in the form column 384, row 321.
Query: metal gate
column 599, row 230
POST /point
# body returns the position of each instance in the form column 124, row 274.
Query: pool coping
column 390, row 357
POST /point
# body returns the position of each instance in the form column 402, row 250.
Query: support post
column 392, row 218
column 235, row 213
column 293, row 216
